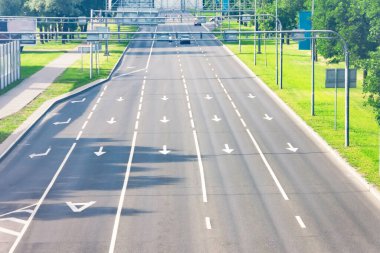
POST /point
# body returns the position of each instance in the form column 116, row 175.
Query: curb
column 9, row 143
column 332, row 154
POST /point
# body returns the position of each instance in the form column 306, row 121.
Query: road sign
column 103, row 29
column 336, row 77
column 82, row 21
column 93, row 37
column 23, row 25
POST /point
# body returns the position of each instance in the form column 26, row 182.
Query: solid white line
column 39, row 203
column 122, row 195
column 84, row 125
column 93, row 108
column 90, row 115
column 192, row 123
column 150, row 53
column 300, row 222
column 200, row 164
column 8, row 231
column 208, row 222
column 268, row 166
column 137, row 125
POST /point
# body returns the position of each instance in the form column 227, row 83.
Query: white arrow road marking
column 208, row 97
column 164, row 150
column 100, row 152
column 111, row 121
column 291, row 148
column 216, row 119
column 62, row 123
column 164, row 120
column 79, row 207
column 227, row 149
column 41, row 154
column 266, row 116
column 251, row 96
column 78, row 101
column 120, row 99
column 164, row 98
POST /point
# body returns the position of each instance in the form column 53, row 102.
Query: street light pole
column 312, row 62
column 254, row 39
column 276, row 42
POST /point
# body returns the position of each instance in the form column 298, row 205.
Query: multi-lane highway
column 182, row 151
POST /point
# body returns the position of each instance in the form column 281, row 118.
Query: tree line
column 358, row 21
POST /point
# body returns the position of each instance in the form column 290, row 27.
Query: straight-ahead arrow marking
column 120, row 99
column 111, row 121
column 227, row 149
column 291, row 148
column 208, row 97
column 251, row 96
column 164, row 120
column 100, row 152
column 164, row 150
column 41, row 154
column 164, row 98
column 216, row 119
column 62, row 123
column 266, row 116
column 78, row 101
column 79, row 207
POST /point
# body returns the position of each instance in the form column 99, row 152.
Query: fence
column 10, row 63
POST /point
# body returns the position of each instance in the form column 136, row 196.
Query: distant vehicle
column 185, row 39
column 170, row 38
column 197, row 22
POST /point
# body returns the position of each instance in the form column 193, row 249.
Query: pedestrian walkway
column 24, row 93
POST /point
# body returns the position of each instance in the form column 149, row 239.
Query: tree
column 371, row 85
column 11, row 8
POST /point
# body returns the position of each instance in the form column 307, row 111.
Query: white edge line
column 122, row 195
column 39, row 203
column 79, row 135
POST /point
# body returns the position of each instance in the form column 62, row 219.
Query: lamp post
column 277, row 43
column 312, row 62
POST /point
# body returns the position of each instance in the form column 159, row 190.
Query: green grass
column 69, row 80
column 363, row 151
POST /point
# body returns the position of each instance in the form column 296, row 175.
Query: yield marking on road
column 41, row 154
column 100, row 152
column 78, row 101
column 227, row 149
column 216, row 119
column 208, row 97
column 291, row 148
column 164, row 120
column 111, row 121
column 164, row 98
column 208, row 222
column 79, row 207
column 300, row 222
column 251, row 96
column 63, row 122
column 120, row 99
column 164, row 150
column 267, row 117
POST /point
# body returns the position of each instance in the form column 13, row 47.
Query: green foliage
column 371, row 85
column 11, row 7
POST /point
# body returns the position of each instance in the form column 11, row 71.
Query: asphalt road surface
column 181, row 152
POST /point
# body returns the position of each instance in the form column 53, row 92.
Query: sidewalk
column 20, row 96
